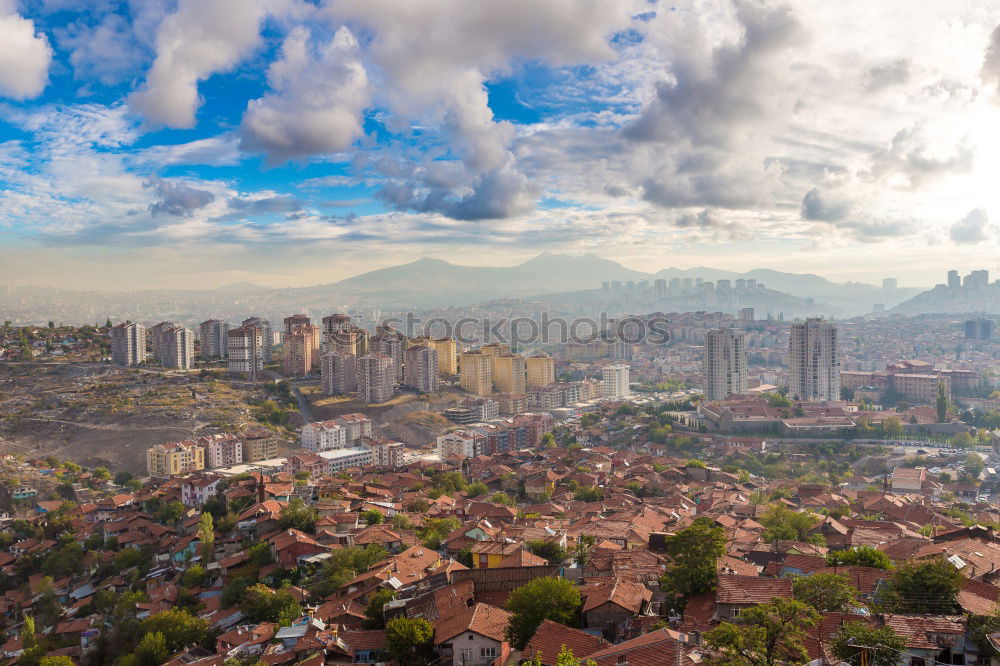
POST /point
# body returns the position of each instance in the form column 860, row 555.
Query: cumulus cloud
column 318, row 99
column 201, row 38
column 973, row 228
column 820, row 205
column 712, row 221
column 25, row 55
column 177, row 198
column 991, row 62
column 909, row 161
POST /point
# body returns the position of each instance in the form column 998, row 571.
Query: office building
column 813, row 361
column 509, row 374
column 177, row 348
column 615, row 381
column 214, row 342
column 476, row 372
column 245, row 350
column 421, row 368
column 724, row 366
column 267, row 339
column 323, row 436
column 541, row 370
column 174, row 458
column 338, row 373
column 128, row 344
column 376, row 378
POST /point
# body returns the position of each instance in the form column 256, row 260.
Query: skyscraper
column 476, row 372
column 245, row 350
column 390, row 342
column 177, row 348
column 301, row 348
column 213, row 338
column 659, row 288
column 128, row 344
column 421, row 368
column 954, row 281
column 156, row 337
column 725, row 363
column 376, row 378
column 338, row 373
column 814, row 361
column 615, row 382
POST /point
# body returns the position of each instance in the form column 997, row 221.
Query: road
column 304, row 409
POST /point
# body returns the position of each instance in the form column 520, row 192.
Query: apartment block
column 541, row 370
column 267, row 338
column 447, row 354
column 615, row 381
column 356, row 426
column 174, row 458
column 323, row 436
column 214, row 340
column 476, row 372
column 245, row 349
column 338, row 373
column 392, row 343
column 259, row 444
column 338, row 459
column 156, row 337
column 814, row 361
column 421, row 368
column 300, row 349
column 128, row 344
column 223, row 450
column 724, row 366
column 509, row 373
column 460, row 444
column 177, row 348
column 376, row 378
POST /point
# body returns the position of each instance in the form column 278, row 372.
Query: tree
column 766, row 635
column 408, row 640
column 502, row 498
column 782, row 524
column 235, row 590
column 345, row 564
column 262, row 604
column 151, row 651
column 693, row 554
column 177, row 627
column 825, row 592
column 548, row 441
column 882, row 646
column 920, row 588
column 979, row 627
column 551, row 551
column 941, row 403
column 437, row 530
column 171, row 512
column 194, row 576
column 374, row 618
column 544, row 598
column 589, row 494
column 892, row 427
column 206, row 536
column 372, row 517
column 298, row 515
column 476, row 489
column 401, row 522
column 861, row 556
column 56, row 661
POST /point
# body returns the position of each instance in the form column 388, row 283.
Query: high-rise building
column 541, row 370
column 267, row 340
column 476, row 372
column 213, row 338
column 977, row 279
column 954, row 281
column 156, row 337
column 296, row 320
column 746, row 314
column 421, row 368
column 615, row 382
column 245, row 350
column 301, row 349
column 338, row 373
column 376, row 378
column 323, row 436
column 724, row 366
column 979, row 329
column 889, row 284
column 659, row 288
column 128, row 344
column 177, row 348
column 174, row 458
column 447, row 354
column 390, row 342
column 814, row 361
column 509, row 373
column 495, row 349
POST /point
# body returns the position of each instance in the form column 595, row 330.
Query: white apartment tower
column 128, row 344
column 245, row 350
column 615, row 382
column 177, row 348
column 214, row 342
column 264, row 326
column 376, row 378
column 814, row 361
column 725, row 364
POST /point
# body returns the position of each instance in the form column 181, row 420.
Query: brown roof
column 915, row 628
column 751, row 589
column 522, row 558
column 653, row 649
column 551, row 636
column 482, row 619
column 623, row 593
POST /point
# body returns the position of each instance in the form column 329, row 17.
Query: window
column 490, row 652
column 466, row 656
column 622, row 659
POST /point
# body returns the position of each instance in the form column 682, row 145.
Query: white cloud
column 974, row 228
column 25, row 55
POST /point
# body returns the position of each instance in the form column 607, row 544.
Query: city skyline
column 733, row 135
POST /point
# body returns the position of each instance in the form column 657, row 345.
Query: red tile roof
column 751, row 590
column 482, row 619
column 551, row 636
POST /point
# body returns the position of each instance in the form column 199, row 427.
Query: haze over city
column 290, row 143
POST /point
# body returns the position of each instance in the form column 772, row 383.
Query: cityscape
column 443, row 333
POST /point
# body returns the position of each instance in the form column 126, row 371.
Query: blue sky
column 287, row 142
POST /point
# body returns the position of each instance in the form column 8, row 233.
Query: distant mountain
column 964, row 300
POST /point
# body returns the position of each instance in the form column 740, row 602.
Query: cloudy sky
column 148, row 143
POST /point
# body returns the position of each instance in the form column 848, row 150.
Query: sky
column 196, row 143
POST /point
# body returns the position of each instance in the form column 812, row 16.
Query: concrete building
column 392, row 343
column 954, row 281
column 174, row 458
column 615, row 381
column 128, row 344
column 245, row 350
column 259, row 444
column 338, row 373
column 460, row 444
column 301, row 349
column 323, row 436
column 541, row 370
column 421, row 368
column 495, row 349
column 156, row 337
column 177, row 348
column 223, row 450
column 724, row 366
column 267, row 339
column 814, row 361
column 979, row 329
column 509, row 373
column 476, row 372
column 447, row 352
column 376, row 378
column 355, row 426
column 338, row 459
column 214, row 342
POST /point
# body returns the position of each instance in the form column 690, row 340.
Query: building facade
column 245, row 350
column 338, row 373
column 509, row 374
column 177, row 348
column 128, row 344
column 174, row 458
column 724, row 366
column 476, row 372
column 541, row 370
column 376, row 378
column 814, row 361
column 421, row 368
column 615, row 381
column 267, row 339
column 223, row 450
column 323, row 436
column 214, row 341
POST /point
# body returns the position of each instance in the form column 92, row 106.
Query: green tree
column 298, row 515
column 152, row 650
column 502, row 498
column 56, row 661
column 372, row 517
column 550, row 598
column 345, row 564
column 765, row 635
column 551, row 551
column 401, row 522
column 825, row 591
column 409, row 640
column 892, row 427
column 861, row 556
column 941, row 403
column 589, row 494
column 235, row 590
column 194, row 576
column 920, row 588
column 171, row 512
column 979, row 627
column 436, row 530
column 881, row 645
column 374, row 617
column 262, row 604
column 206, row 537
column 548, row 441
column 783, row 524
column 476, row 489
column 177, row 627
column 693, row 552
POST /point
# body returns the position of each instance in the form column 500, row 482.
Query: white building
column 338, row 459
column 177, row 348
column 128, row 344
column 615, row 382
column 460, row 444
column 267, row 337
column 813, row 361
column 245, row 349
column 214, row 341
column 356, row 426
column 724, row 366
column 323, row 436
column 222, row 450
